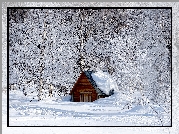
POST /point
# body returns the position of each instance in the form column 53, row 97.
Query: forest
column 49, row 48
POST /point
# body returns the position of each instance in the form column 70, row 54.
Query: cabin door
column 85, row 97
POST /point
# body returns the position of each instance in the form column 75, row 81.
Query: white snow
column 104, row 81
column 109, row 111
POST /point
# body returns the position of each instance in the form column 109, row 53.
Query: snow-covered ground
column 103, row 112
column 107, row 111
column 110, row 111
column 116, row 110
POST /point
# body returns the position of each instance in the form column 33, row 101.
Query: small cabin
column 85, row 89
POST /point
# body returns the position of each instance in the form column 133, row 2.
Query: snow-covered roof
column 104, row 81
column 101, row 81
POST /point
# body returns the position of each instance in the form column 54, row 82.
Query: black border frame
column 79, row 8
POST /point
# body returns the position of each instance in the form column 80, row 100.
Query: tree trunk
column 50, row 91
column 40, row 90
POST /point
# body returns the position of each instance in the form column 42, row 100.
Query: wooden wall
column 83, row 86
